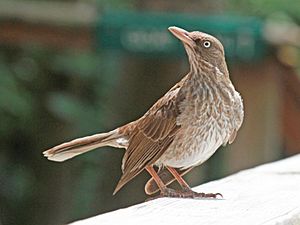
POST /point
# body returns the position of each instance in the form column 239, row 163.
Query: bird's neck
column 210, row 82
column 200, row 69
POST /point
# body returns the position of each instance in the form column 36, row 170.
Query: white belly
column 194, row 146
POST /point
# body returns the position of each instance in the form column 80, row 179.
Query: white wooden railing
column 267, row 194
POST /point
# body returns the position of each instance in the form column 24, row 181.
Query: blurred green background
column 76, row 67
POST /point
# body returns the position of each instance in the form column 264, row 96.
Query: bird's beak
column 182, row 35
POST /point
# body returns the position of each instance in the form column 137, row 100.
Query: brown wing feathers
column 152, row 135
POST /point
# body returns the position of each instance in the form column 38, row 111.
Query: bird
column 183, row 129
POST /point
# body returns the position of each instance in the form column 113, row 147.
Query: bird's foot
column 185, row 193
column 189, row 193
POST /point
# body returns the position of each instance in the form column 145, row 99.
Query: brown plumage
column 182, row 129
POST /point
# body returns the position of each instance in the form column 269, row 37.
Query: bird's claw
column 186, row 193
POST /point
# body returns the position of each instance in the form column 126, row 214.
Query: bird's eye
column 206, row 44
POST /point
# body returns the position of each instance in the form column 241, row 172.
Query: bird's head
column 201, row 47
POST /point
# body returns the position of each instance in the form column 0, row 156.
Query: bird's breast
column 206, row 121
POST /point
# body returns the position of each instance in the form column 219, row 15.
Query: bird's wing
column 152, row 135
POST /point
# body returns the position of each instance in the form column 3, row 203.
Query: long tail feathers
column 78, row 146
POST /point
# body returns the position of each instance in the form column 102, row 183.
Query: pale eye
column 206, row 44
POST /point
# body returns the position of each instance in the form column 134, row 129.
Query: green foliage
column 14, row 99
column 46, row 95
column 265, row 8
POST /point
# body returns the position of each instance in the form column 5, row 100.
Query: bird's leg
column 165, row 192
column 155, row 176
column 187, row 192
column 178, row 177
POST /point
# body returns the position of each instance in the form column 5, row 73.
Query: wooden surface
column 265, row 195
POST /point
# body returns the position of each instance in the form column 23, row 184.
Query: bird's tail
column 78, row 146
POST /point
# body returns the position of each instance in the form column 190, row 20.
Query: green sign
column 146, row 33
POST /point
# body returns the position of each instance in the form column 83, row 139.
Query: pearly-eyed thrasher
column 182, row 129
